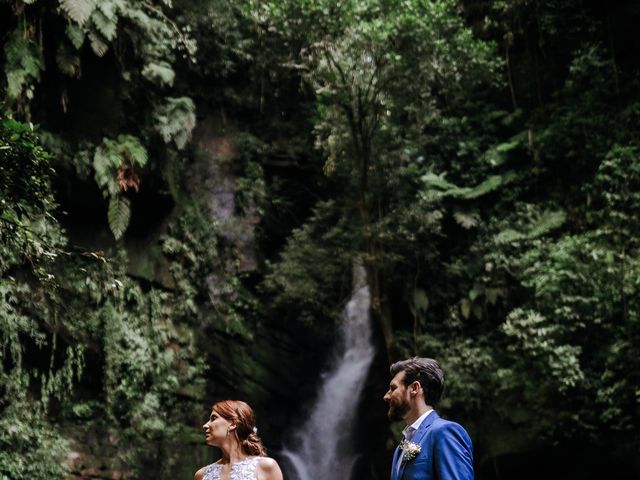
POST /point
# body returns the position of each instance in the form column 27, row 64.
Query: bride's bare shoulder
column 268, row 469
column 200, row 474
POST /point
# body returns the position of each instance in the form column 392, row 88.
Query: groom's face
column 397, row 398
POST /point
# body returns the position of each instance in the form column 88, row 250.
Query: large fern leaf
column 445, row 188
column 78, row 10
column 175, row 120
column 68, row 62
column 98, row 44
column 75, row 35
column 105, row 19
column 106, row 161
column 119, row 215
column 23, row 63
column 132, row 150
column 159, row 73
column 548, row 221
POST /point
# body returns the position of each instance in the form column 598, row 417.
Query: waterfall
column 323, row 446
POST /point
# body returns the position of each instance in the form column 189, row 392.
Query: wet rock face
column 213, row 178
column 83, row 466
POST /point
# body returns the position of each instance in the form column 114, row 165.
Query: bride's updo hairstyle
column 241, row 415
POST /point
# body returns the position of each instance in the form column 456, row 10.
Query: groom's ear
column 414, row 388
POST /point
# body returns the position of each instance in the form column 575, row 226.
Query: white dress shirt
column 409, row 430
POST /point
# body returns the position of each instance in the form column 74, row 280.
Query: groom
column 432, row 448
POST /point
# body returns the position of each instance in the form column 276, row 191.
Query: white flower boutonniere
column 409, row 450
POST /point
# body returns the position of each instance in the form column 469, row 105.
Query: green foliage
column 30, row 241
column 78, row 10
column 480, row 158
column 112, row 160
column 315, row 265
column 105, row 18
column 119, row 215
column 24, row 167
column 175, row 120
column 159, row 73
column 23, row 64
column 31, row 447
column 542, row 224
column 448, row 189
column 58, row 306
column 560, row 362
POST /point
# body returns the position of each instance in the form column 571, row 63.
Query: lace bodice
column 243, row 470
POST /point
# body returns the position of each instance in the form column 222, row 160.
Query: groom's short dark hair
column 427, row 371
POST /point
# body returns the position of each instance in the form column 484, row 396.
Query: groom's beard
column 398, row 410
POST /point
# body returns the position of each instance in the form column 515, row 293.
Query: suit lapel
column 394, row 465
column 417, row 437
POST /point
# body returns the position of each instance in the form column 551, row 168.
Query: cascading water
column 323, row 448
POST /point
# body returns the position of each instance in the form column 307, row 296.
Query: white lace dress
column 242, row 470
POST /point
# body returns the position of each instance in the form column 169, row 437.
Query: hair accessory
column 255, row 430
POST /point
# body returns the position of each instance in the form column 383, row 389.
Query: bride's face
column 216, row 429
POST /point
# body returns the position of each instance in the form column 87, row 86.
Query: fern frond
column 78, row 10
column 68, row 62
column 132, row 150
column 23, row 63
column 175, row 120
column 111, row 156
column 105, row 23
column 106, row 161
column 546, row 223
column 159, row 73
column 437, row 181
column 75, row 35
column 467, row 220
column 119, row 215
column 98, row 44
column 448, row 189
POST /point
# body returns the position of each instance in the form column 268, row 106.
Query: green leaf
column 547, row 222
column 106, row 25
column 106, row 161
column 68, row 62
column 23, row 63
column 119, row 215
column 420, row 302
column 78, row 10
column 75, row 35
column 132, row 150
column 448, row 189
column 175, row 120
column 111, row 155
column 159, row 73
column 98, row 44
column 465, row 307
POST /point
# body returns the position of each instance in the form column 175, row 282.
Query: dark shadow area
column 567, row 462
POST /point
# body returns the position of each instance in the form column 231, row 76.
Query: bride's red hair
column 241, row 415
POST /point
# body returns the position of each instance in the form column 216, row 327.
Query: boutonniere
column 409, row 450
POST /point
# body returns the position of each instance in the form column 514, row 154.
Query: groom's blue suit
column 446, row 453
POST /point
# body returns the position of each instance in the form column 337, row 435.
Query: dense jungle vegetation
column 185, row 185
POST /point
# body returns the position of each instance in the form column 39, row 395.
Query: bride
column 232, row 428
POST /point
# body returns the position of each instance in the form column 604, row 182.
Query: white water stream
column 323, row 447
